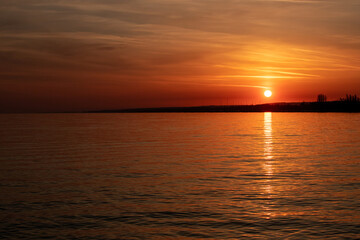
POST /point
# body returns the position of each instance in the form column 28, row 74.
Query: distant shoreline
column 333, row 106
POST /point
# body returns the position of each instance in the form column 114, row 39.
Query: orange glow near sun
column 267, row 93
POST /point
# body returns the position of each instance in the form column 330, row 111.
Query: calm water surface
column 180, row 176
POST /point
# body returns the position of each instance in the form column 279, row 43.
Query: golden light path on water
column 268, row 157
column 268, row 136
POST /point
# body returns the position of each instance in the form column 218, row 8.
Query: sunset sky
column 77, row 55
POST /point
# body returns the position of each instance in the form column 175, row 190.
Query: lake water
column 180, row 176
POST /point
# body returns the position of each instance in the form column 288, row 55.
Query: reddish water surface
column 180, row 176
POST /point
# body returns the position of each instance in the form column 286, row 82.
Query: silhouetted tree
column 321, row 98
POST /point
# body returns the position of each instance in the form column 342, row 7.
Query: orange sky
column 90, row 54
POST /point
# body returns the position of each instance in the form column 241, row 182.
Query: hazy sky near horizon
column 59, row 55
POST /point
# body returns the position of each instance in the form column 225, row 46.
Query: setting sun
column 267, row 93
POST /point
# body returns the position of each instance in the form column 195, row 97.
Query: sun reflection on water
column 268, row 136
column 268, row 142
column 268, row 157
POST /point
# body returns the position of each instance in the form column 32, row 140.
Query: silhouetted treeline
column 350, row 98
column 334, row 106
column 351, row 103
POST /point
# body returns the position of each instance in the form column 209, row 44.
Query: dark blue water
column 180, row 176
